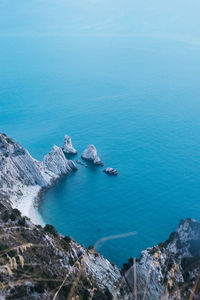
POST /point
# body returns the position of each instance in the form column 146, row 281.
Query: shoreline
column 27, row 204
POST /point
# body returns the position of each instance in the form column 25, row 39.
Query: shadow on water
column 71, row 156
column 80, row 162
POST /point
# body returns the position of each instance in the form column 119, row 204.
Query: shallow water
column 137, row 101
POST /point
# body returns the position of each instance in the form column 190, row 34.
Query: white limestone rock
column 22, row 177
column 18, row 167
column 67, row 146
column 90, row 154
column 57, row 163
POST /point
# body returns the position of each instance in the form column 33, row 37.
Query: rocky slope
column 170, row 270
column 38, row 263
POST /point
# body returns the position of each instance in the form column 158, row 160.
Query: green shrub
column 65, row 245
column 5, row 216
column 3, row 247
column 67, row 239
column 40, row 287
column 105, row 295
column 12, row 253
column 22, row 222
column 91, row 248
column 15, row 214
column 71, row 261
column 84, row 295
column 65, row 290
column 50, row 229
column 85, row 281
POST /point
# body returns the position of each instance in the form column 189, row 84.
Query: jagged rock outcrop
column 110, row 171
column 90, row 154
column 170, row 270
column 67, row 146
column 57, row 163
column 21, row 174
column 19, row 169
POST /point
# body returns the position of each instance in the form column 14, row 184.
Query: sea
column 137, row 99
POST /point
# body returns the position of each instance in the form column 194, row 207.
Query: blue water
column 138, row 101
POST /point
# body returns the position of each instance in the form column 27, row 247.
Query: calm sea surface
column 138, row 101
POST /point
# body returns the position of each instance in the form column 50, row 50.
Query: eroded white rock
column 90, row 154
column 67, row 146
column 57, row 163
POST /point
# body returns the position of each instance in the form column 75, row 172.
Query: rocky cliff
column 170, row 270
column 22, row 177
column 38, row 263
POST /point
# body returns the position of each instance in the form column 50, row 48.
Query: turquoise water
column 138, row 101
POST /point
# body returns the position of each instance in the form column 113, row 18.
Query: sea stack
column 110, row 171
column 67, row 146
column 90, row 154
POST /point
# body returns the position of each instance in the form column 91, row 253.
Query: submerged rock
column 110, row 171
column 67, row 146
column 90, row 154
column 81, row 163
column 57, row 163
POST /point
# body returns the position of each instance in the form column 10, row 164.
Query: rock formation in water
column 90, row 154
column 81, row 163
column 110, row 171
column 38, row 263
column 67, row 146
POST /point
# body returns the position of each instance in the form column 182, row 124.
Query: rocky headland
column 22, row 177
column 38, row 263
